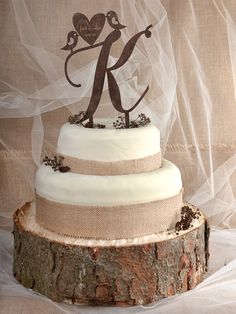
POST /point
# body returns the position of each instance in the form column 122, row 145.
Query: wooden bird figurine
column 113, row 21
column 72, row 40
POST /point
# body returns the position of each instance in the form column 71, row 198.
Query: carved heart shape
column 89, row 30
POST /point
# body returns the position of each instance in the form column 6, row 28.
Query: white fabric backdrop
column 190, row 65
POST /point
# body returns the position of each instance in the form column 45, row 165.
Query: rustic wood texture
column 121, row 276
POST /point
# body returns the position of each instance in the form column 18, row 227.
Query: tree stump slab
column 118, row 275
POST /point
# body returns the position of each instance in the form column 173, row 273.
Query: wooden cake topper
column 89, row 31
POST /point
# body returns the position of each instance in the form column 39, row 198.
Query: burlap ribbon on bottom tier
column 102, row 168
column 109, row 222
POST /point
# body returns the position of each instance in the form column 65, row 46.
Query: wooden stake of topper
column 90, row 31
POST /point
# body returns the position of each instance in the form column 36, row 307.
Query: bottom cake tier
column 121, row 273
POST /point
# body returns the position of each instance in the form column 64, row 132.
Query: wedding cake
column 108, row 225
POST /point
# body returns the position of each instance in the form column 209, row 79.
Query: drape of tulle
column 160, row 64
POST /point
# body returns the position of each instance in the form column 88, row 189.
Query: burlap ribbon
column 113, row 222
column 102, row 168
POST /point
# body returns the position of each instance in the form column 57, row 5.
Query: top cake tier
column 108, row 144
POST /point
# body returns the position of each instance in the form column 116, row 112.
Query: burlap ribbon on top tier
column 108, row 222
column 104, row 168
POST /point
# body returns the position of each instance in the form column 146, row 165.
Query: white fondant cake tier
column 79, row 189
column 108, row 144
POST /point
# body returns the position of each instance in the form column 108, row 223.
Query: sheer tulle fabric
column 190, row 66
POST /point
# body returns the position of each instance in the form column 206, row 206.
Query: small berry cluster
column 75, row 119
column 141, row 120
column 119, row 123
column 56, row 163
column 187, row 217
